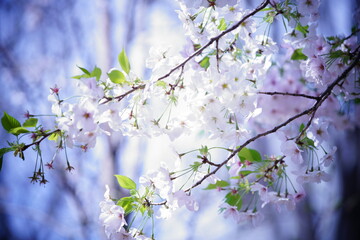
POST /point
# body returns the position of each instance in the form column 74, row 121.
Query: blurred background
column 42, row 42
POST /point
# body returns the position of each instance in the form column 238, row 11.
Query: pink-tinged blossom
column 316, row 48
column 290, row 149
column 350, row 44
column 315, row 176
column 90, row 88
column 160, row 180
column 328, row 158
column 112, row 216
column 279, row 200
column 122, row 235
column 138, row 235
column 84, row 116
column 262, row 191
column 308, row 7
column 299, row 195
column 180, row 198
column 319, row 132
column 230, row 212
column 235, row 168
column 317, row 71
column 255, row 218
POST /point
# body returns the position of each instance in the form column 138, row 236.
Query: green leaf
column 234, row 200
column 302, row 126
column 84, row 71
column 125, row 182
column 222, row 25
column 244, row 173
column 124, row 61
column 218, row 184
column 127, row 203
column 18, row 130
column 54, row 136
column 161, row 84
column 80, row 76
column 2, row 152
column 266, row 9
column 8, row 122
column 303, row 29
column 195, row 166
column 117, row 77
column 204, row 150
column 31, row 122
column 298, row 55
column 250, row 155
column 308, row 142
column 96, row 73
column 205, row 62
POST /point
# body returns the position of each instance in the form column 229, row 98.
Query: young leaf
column 2, row 152
column 222, row 25
column 125, row 182
column 18, row 130
column 54, row 136
column 124, row 61
column 117, row 77
column 84, row 71
column 234, row 200
column 96, row 73
column 219, row 184
column 250, row 155
column 244, row 173
column 127, row 203
column 298, row 55
column 31, row 122
column 161, row 84
column 302, row 126
column 8, row 122
column 205, row 62
column 303, row 29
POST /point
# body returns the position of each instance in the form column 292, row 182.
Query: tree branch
column 325, row 94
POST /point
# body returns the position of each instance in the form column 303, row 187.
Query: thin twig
column 122, row 96
column 212, row 40
column 40, row 140
column 196, row 53
column 290, row 94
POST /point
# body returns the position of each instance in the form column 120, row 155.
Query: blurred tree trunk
column 349, row 168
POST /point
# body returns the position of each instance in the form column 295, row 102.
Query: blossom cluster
column 235, row 84
column 156, row 190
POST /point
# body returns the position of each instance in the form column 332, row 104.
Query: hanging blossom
column 112, row 216
column 159, row 182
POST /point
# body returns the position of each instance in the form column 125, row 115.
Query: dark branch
column 40, row 140
column 290, row 94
